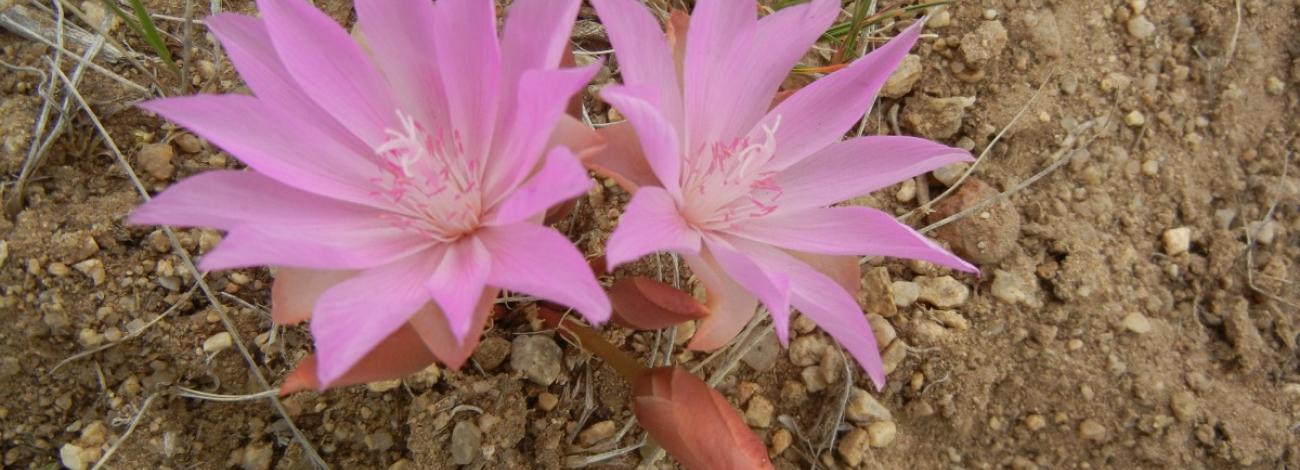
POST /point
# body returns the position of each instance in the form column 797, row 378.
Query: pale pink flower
column 398, row 186
column 740, row 187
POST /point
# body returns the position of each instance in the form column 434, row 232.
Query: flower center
column 430, row 183
column 726, row 182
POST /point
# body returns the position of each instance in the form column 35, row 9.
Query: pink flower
column 740, row 187
column 400, row 186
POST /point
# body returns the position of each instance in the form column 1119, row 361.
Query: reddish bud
column 694, row 423
column 646, row 304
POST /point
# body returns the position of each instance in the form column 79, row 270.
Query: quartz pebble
column 466, row 440
column 1177, row 240
column 597, row 432
column 942, row 292
column 759, row 412
column 905, row 293
column 882, row 433
column 538, row 357
column 863, row 407
column 218, row 342
column 1137, row 323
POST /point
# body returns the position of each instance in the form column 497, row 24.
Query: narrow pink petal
column 274, row 143
column 659, row 141
column 225, row 199
column 644, row 59
column 827, row 304
column 650, row 223
column 717, row 30
column 621, row 159
column 773, row 288
column 542, row 96
column 539, row 261
column 843, row 269
column 561, row 178
column 399, row 355
column 330, row 67
column 847, row 231
column 354, row 316
column 534, row 37
column 855, row 167
column 458, row 283
column 295, row 291
column 469, row 60
column 731, row 306
column 764, row 57
column 431, row 325
column 822, row 112
column 579, row 138
column 251, row 52
column 250, row 245
column 401, row 38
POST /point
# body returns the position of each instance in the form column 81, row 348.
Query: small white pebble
column 990, row 14
column 218, row 342
column 1137, row 323
column 1177, row 240
column 1135, row 118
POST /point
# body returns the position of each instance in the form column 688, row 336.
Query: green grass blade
column 143, row 25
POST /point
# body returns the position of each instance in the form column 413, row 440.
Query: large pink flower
column 740, row 188
column 400, row 186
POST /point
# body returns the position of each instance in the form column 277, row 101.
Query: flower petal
column 773, row 288
column 621, row 159
column 399, row 355
column 250, row 246
column 847, row 231
column 330, row 67
column 534, row 37
column 469, row 60
column 717, row 30
column 659, row 141
column 274, row 143
column 295, row 291
column 855, row 167
column 401, row 37
column 539, row 261
column 650, row 223
column 582, row 140
column 828, row 305
column 350, row 320
column 458, row 283
column 252, row 53
column 561, row 178
column 542, row 97
column 643, row 56
column 730, row 305
column 226, row 199
column 431, row 324
column 822, row 112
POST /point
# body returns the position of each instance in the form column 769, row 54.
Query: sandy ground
column 1138, row 306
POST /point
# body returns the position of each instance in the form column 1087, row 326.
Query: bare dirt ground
column 1138, row 306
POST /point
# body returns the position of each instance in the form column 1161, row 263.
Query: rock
column 759, row 412
column 684, row 332
column 853, row 446
column 403, row 464
column 936, row 118
column 985, row 43
column 952, row 320
column 94, row 434
column 763, row 356
column 89, row 338
column 1035, row 422
column 217, row 343
column 156, row 160
column 863, row 407
column 538, row 357
column 781, row 441
column 1092, row 430
column 985, row 236
column 189, row 143
column 942, row 292
column 1243, row 334
column 491, row 352
column 882, row 329
column 831, row 365
column 1137, row 323
column 93, row 269
column 894, row 355
column 1177, row 240
column 597, row 433
column 1274, row 86
column 1044, row 32
column 1135, row 118
column 547, row 401
column 1116, row 81
column 950, row 173
column 4, row 252
column 72, row 457
column 905, row 293
column 882, row 433
column 1184, row 406
column 812, row 379
column 384, row 385
column 257, row 456
column 906, row 191
column 904, row 77
column 1015, row 288
column 1140, row 27
column 58, row 269
column 940, row 19
column 379, row 442
column 927, row 332
column 802, row 324
column 466, row 441
column 877, row 292
column 9, row 367
column 807, row 350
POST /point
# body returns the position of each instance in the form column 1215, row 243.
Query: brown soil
column 1087, row 343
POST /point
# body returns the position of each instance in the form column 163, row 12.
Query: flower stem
column 592, row 342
